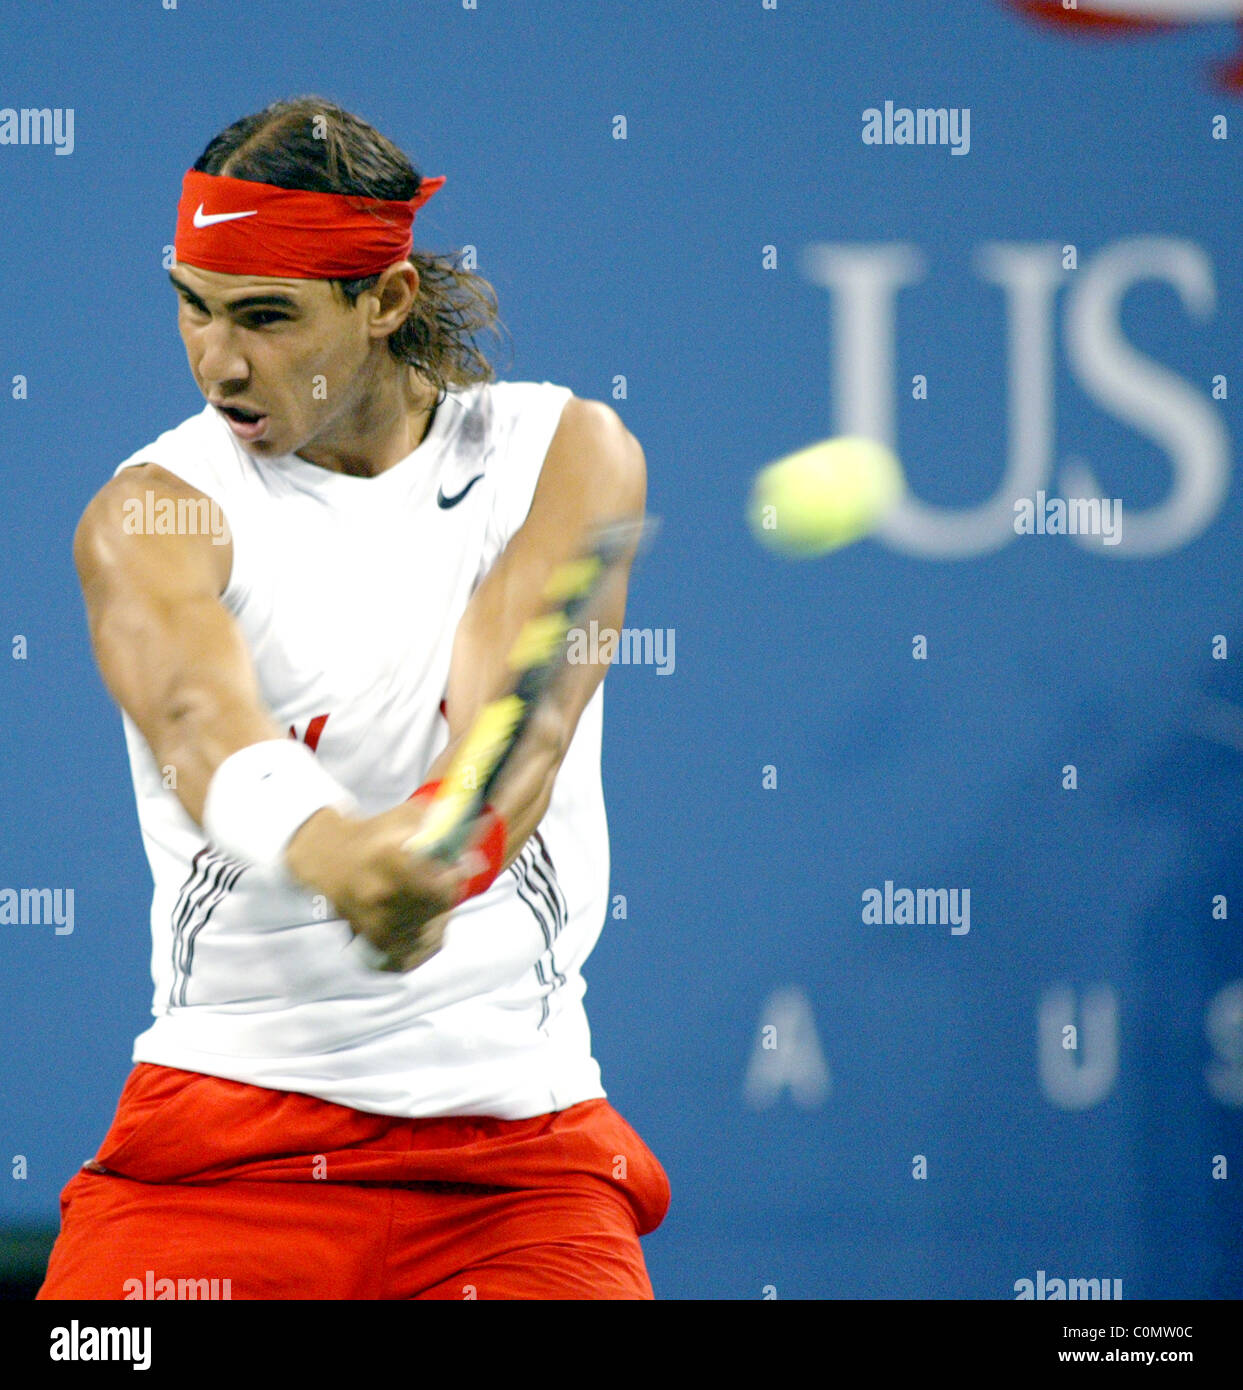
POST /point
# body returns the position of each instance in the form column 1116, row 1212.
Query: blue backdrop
column 1056, row 308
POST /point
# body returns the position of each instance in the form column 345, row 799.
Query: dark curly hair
column 311, row 143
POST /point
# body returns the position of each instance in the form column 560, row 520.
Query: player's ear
column 389, row 301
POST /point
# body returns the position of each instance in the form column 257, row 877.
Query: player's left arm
column 594, row 472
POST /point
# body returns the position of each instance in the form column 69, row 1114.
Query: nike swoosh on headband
column 446, row 502
column 209, row 219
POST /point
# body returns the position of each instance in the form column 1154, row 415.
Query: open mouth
column 246, row 424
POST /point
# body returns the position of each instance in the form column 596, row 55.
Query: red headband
column 238, row 227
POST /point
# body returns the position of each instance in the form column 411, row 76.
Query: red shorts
column 202, row 1181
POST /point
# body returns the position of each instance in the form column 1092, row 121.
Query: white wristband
column 261, row 795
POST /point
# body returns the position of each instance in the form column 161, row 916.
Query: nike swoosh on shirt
column 446, row 502
column 209, row 219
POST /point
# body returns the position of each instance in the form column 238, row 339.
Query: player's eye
column 260, row 317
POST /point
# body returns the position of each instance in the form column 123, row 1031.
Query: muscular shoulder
column 592, row 447
column 145, row 517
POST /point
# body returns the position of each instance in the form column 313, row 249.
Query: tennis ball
column 825, row 496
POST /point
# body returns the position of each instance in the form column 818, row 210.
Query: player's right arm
column 168, row 650
column 176, row 662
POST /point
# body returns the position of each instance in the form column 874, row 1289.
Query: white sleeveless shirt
column 348, row 591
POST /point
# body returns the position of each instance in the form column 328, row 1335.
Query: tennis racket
column 536, row 660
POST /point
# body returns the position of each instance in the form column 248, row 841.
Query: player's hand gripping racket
column 538, row 657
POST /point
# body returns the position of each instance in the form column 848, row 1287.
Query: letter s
column 1156, row 401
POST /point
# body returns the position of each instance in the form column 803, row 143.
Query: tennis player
column 300, row 598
